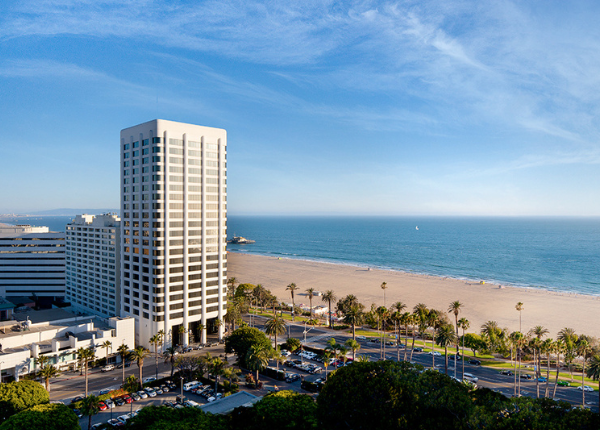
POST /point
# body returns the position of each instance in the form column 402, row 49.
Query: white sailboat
column 417, row 227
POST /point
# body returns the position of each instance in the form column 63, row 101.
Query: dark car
column 77, row 399
column 455, row 357
column 119, row 401
column 475, row 362
column 418, row 349
column 291, row 377
column 78, row 413
column 507, row 373
column 525, row 376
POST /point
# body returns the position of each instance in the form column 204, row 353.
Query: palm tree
column 139, row 354
column 41, row 361
column 559, row 347
column 548, row 346
column 354, row 316
column 326, row 357
column 310, row 293
column 516, row 338
column 274, row 326
column 364, row 358
column 569, row 338
column 231, row 373
column 405, row 320
column 90, row 406
column 216, row 369
column 107, row 344
column 492, row 332
column 538, row 331
column 231, row 286
column 519, row 307
column 445, row 336
column 383, row 315
column 123, row 351
column 181, row 330
column 329, row 297
column 354, row 346
column 455, row 308
column 420, row 313
column 257, row 358
column 278, row 357
column 464, row 324
column 169, row 355
column 47, row 372
column 154, row 340
column 384, row 287
column 583, row 349
column 292, row 287
column 433, row 321
column 86, row 355
column 593, row 371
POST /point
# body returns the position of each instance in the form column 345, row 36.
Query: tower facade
column 93, row 264
column 174, row 230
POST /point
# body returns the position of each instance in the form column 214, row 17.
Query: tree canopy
column 242, row 339
column 18, row 396
column 164, row 418
column 43, row 417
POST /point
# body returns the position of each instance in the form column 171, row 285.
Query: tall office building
column 93, row 264
column 32, row 261
column 174, row 221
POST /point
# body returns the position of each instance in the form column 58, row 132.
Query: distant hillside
column 73, row 212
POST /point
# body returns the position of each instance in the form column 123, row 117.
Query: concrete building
column 174, row 220
column 93, row 264
column 58, row 334
column 32, row 261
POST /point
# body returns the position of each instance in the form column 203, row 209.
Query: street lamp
column 304, row 343
column 1, row 363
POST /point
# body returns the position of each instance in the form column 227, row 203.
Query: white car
column 361, row 338
column 149, row 379
column 124, row 418
column 285, row 353
column 108, row 368
column 150, row 392
column 585, row 388
column 437, row 354
column 142, row 394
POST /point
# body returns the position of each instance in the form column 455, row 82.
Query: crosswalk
column 318, row 338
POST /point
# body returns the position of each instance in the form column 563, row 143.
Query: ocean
column 558, row 254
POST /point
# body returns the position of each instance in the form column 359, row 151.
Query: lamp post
column 181, row 377
column 1, row 363
column 304, row 343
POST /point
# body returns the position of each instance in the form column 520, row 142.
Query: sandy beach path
column 481, row 303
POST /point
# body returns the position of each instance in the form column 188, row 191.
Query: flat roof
column 229, row 403
column 44, row 315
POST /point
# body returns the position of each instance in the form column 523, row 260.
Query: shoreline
column 540, row 288
column 482, row 302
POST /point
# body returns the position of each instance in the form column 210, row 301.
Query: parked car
column 109, row 403
column 142, row 394
column 507, row 373
column 124, row 418
column 291, row 377
column 102, row 406
column 127, row 398
column 136, row 397
column 158, row 390
column 190, row 404
column 104, row 391
column 165, row 388
column 119, row 401
column 115, row 423
column 470, row 377
column 475, row 362
column 149, row 379
column 108, row 368
column 77, row 399
column 151, row 392
column 585, row 388
column 78, row 413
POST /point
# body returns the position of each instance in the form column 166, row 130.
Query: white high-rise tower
column 174, row 230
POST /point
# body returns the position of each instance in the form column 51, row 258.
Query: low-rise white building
column 58, row 334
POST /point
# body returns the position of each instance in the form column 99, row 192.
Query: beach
column 481, row 302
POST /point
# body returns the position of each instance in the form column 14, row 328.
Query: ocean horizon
column 551, row 253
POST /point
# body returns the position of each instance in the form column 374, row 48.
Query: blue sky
column 353, row 107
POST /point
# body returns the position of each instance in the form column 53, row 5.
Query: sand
column 481, row 303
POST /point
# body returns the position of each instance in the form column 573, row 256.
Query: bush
column 43, row 417
column 18, row 396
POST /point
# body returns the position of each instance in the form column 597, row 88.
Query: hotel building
column 174, row 221
column 32, row 261
column 93, row 264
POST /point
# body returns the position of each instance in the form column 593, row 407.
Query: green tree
column 292, row 344
column 455, row 308
column 106, row 345
column 464, row 324
column 216, row 368
column 47, row 372
column 86, row 355
column 242, row 339
column 18, row 396
column 43, row 417
column 138, row 355
column 354, row 316
column 329, row 297
column 90, row 406
column 131, row 384
column 569, row 338
column 283, row 410
column 445, row 337
column 155, row 340
column 583, row 349
column 310, row 292
column 291, row 288
column 257, row 358
column 593, row 371
column 354, row 346
column 123, row 351
column 274, row 326
column 163, row 418
column 169, row 354
column 474, row 342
